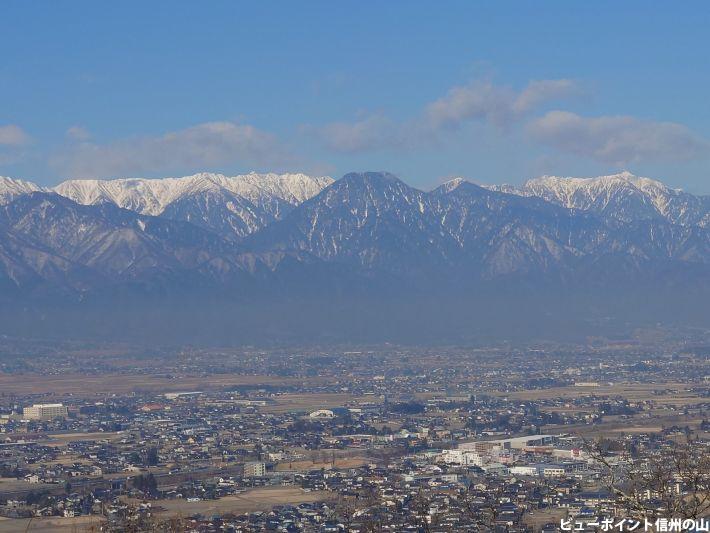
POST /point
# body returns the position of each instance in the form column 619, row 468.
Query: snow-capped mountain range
column 154, row 196
column 234, row 206
column 300, row 250
column 622, row 196
column 216, row 227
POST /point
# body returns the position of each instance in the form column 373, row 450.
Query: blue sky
column 493, row 91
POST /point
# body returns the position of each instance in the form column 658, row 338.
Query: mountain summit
column 12, row 188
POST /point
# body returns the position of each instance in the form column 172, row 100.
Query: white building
column 254, row 469
column 524, row 470
column 553, row 471
column 462, row 457
column 322, row 413
column 546, row 470
column 45, row 411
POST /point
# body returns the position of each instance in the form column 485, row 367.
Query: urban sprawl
column 378, row 438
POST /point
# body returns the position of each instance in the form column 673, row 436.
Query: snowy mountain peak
column 451, row 184
column 10, row 188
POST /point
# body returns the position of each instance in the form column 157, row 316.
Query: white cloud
column 478, row 101
column 618, row 139
column 370, row 133
column 12, row 135
column 499, row 105
column 539, row 92
column 198, row 147
column 78, row 133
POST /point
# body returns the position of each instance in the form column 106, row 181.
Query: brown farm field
column 260, row 499
column 90, row 385
column 51, row 525
column 670, row 393
column 305, row 466
column 308, row 402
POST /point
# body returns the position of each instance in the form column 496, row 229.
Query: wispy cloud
column 198, row 147
column 499, row 105
column 370, row 133
column 12, row 135
column 618, row 140
column 539, row 92
column 78, row 133
column 480, row 101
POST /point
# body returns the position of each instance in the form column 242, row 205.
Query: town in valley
column 345, row 438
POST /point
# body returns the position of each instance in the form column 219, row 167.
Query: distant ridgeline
column 280, row 257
